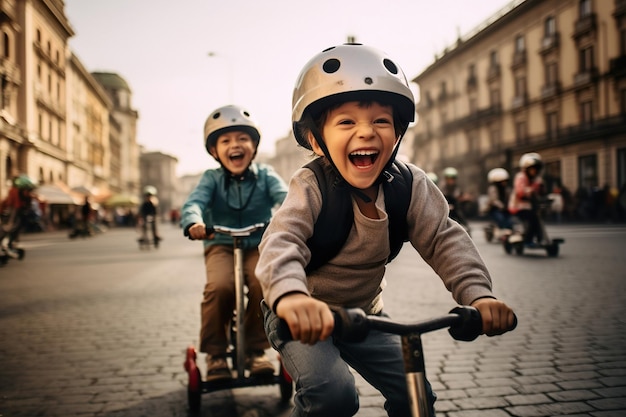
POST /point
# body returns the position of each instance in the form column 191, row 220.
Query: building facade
column 545, row 76
column 89, row 146
column 59, row 124
column 126, row 118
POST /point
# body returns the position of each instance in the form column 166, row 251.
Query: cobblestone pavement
column 96, row 327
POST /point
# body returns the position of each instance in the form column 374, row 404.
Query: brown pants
column 218, row 303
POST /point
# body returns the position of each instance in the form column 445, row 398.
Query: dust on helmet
column 350, row 72
column 529, row 160
column 450, row 172
column 24, row 182
column 227, row 119
column 149, row 190
column 497, row 175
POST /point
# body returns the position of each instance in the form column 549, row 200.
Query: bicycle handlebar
column 464, row 323
column 231, row 231
column 235, row 232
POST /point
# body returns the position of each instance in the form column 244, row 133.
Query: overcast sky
column 184, row 59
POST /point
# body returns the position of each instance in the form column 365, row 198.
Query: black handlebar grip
column 350, row 325
column 469, row 326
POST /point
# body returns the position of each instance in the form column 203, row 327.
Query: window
column 551, row 71
column 493, row 59
column 520, row 131
column 552, row 125
column 6, row 45
column 38, row 36
column 471, row 71
column 586, row 112
column 550, row 27
column 588, row 171
column 584, row 8
column 520, row 86
column 622, row 103
column 494, row 97
column 622, row 41
column 519, row 44
column 494, row 137
column 586, row 59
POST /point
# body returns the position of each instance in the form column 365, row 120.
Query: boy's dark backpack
column 336, row 217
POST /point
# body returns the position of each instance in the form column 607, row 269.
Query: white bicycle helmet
column 450, row 172
column 227, row 119
column 149, row 190
column 350, row 72
column 531, row 159
column 497, row 175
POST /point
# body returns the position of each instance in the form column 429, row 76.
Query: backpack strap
column 397, row 189
column 335, row 218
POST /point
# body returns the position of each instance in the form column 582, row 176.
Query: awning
column 121, row 200
column 52, row 194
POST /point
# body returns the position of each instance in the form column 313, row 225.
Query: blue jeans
column 324, row 384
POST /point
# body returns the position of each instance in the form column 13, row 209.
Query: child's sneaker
column 217, row 368
column 258, row 364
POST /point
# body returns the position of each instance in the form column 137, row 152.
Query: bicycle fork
column 415, row 370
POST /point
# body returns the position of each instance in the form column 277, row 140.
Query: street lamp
column 212, row 54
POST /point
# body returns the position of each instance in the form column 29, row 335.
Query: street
column 98, row 327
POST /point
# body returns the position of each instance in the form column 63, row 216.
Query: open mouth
column 237, row 156
column 363, row 159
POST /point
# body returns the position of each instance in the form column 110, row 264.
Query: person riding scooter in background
column 498, row 194
column 528, row 187
column 454, row 196
column 148, row 214
column 16, row 208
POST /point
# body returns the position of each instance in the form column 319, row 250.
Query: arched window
column 6, row 45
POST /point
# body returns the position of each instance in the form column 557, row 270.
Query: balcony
column 550, row 90
column 585, row 25
column 549, row 43
column 493, row 73
column 585, row 77
column 618, row 67
column 519, row 101
column 519, row 60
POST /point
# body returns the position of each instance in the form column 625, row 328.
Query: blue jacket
column 225, row 200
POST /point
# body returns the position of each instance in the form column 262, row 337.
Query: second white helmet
column 530, row 159
column 227, row 119
column 497, row 175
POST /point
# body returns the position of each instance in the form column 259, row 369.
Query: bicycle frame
column 464, row 323
column 238, row 235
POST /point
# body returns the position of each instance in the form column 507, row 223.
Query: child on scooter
column 527, row 189
column 17, row 208
column 237, row 194
column 498, row 193
column 351, row 107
